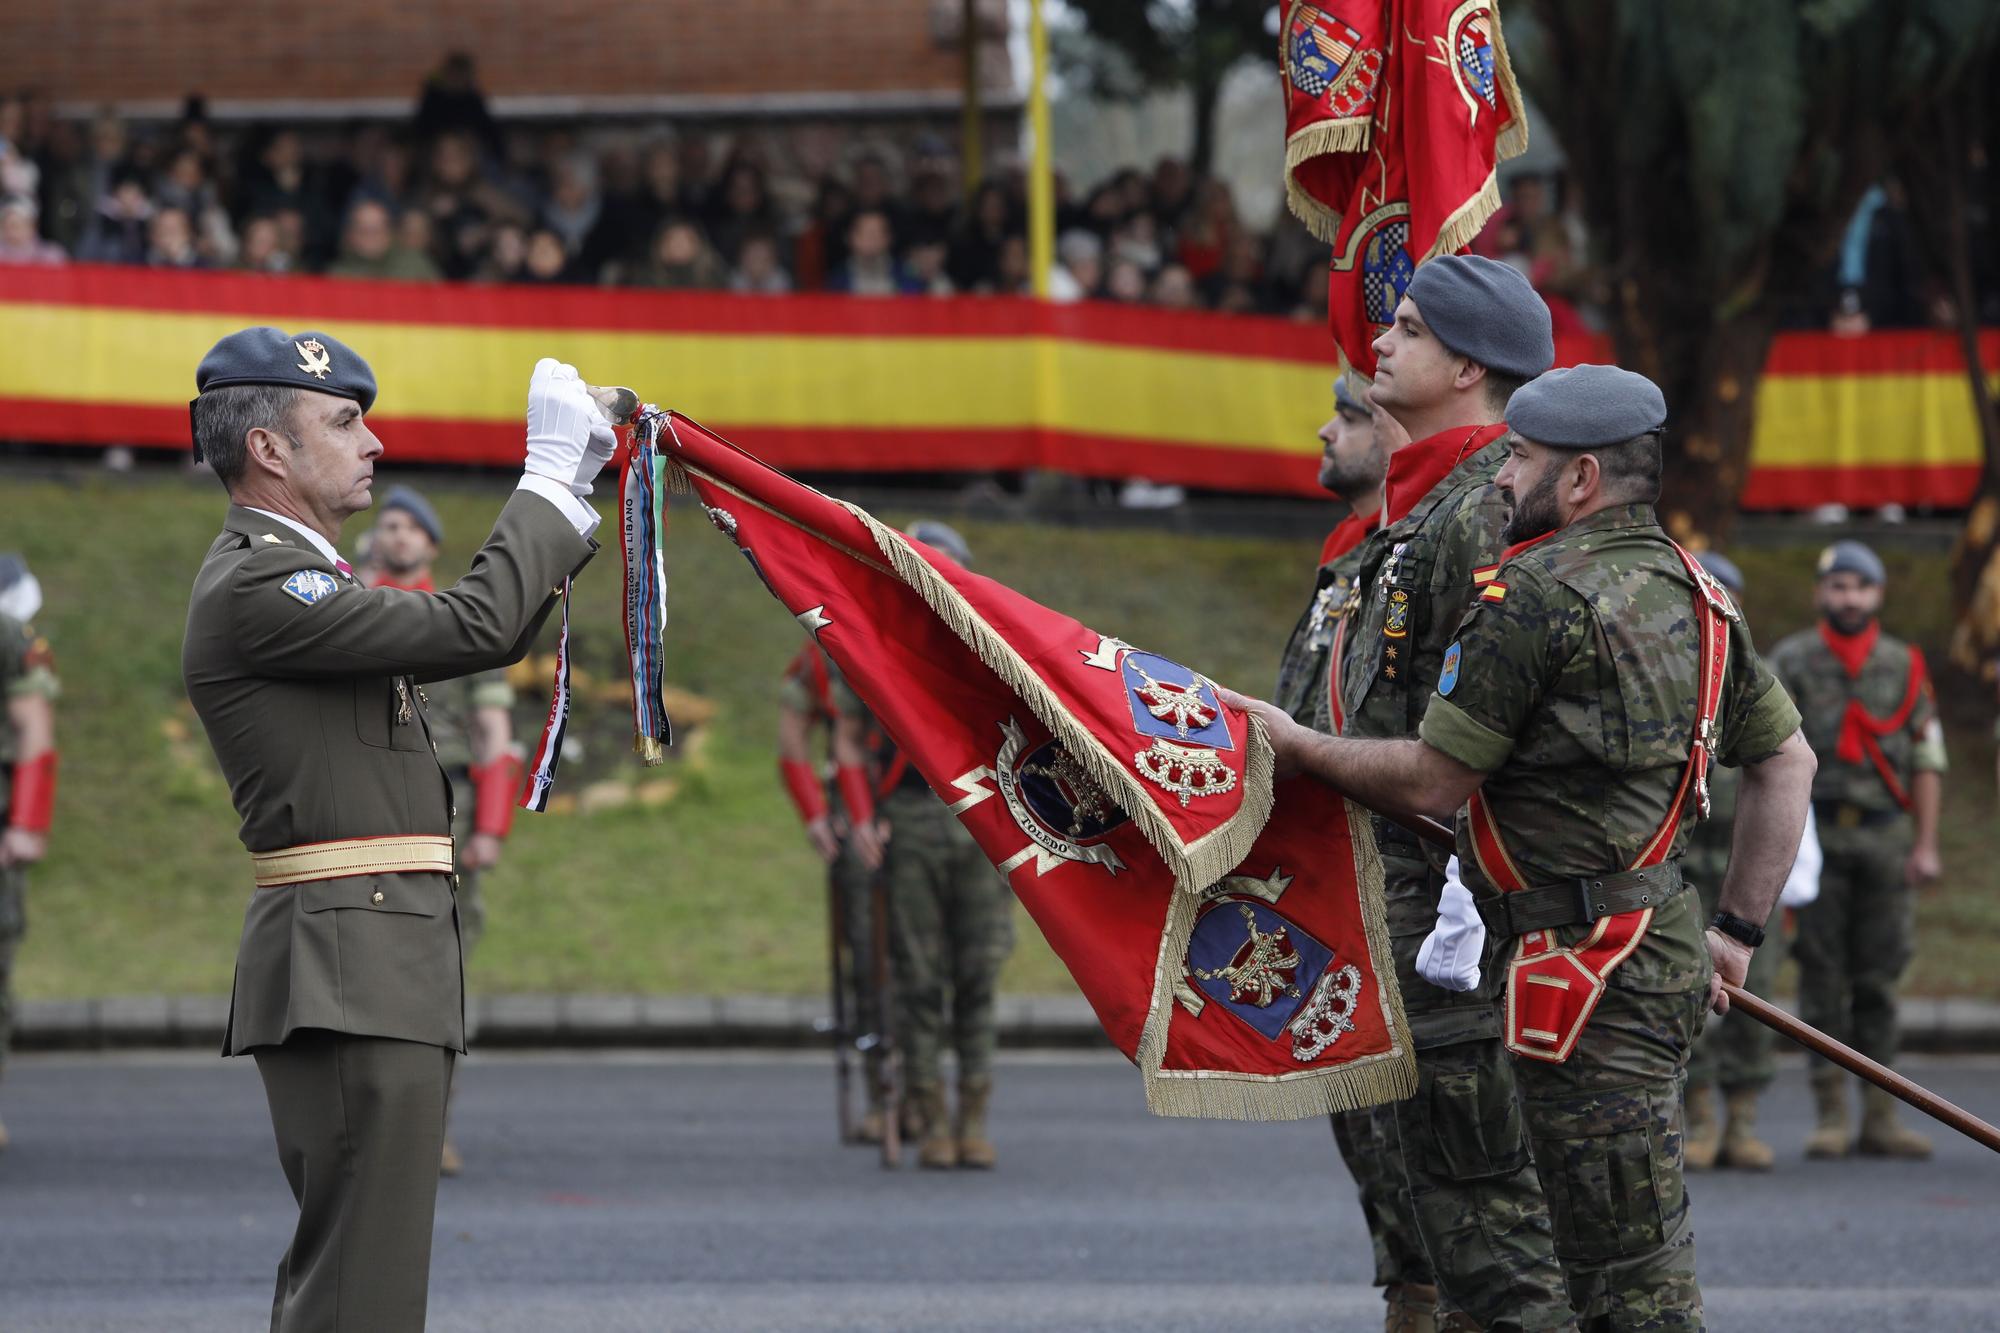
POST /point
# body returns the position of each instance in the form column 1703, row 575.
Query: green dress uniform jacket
column 309, row 697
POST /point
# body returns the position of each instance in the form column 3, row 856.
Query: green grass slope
column 693, row 877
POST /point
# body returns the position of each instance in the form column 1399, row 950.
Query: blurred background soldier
column 1871, row 717
column 1353, row 464
column 806, row 705
column 1735, row 1053
column 470, row 718
column 951, row 926
column 27, row 767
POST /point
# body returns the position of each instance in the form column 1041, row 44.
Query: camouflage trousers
column 1474, row 1195
column 1374, row 1156
column 1606, row 1125
column 1735, row 1052
column 951, row 926
column 1855, row 941
column 13, row 926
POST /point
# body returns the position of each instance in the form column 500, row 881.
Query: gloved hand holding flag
column 1226, row 929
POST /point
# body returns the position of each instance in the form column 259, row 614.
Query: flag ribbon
column 548, row 750
column 642, row 531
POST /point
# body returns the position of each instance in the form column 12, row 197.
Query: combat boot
column 1741, row 1148
column 974, row 1148
column 938, row 1150
column 1703, row 1136
column 1881, row 1136
column 1829, row 1136
column 1412, row 1308
column 871, row 1126
column 449, row 1162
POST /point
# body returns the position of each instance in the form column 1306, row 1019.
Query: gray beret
column 1350, row 392
column 1586, row 406
column 264, row 355
column 1851, row 557
column 1486, row 310
column 942, row 536
column 418, row 508
column 1723, row 570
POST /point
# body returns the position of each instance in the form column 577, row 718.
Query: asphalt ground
column 704, row 1191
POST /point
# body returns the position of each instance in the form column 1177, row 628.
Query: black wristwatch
column 1746, row 933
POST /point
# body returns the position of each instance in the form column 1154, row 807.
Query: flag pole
column 1806, row 1035
column 1041, row 171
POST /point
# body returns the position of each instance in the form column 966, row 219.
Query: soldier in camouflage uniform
column 471, row 724
column 1466, row 332
column 1353, row 464
column 1872, row 718
column 1562, row 723
column 1735, row 1054
column 808, row 702
column 951, row 926
column 27, row 769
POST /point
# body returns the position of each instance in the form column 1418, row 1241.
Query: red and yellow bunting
column 98, row 355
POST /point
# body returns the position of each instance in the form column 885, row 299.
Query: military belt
column 1846, row 814
column 344, row 858
column 1579, row 902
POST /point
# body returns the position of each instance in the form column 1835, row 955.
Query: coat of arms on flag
column 1227, row 929
column 1413, row 176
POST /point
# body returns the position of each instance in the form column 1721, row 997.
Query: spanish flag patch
column 1494, row 591
column 1485, row 573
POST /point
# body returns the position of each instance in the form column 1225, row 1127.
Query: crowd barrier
column 102, row 355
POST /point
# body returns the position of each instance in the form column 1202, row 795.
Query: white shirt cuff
column 580, row 515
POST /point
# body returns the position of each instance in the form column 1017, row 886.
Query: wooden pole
column 1041, row 169
column 1806, row 1035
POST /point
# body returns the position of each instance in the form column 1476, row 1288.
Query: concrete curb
column 118, row 1021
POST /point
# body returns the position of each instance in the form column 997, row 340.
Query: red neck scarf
column 1860, row 730
column 1414, row 471
column 424, row 584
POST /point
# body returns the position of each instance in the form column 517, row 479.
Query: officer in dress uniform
column 471, row 721
column 1466, row 332
column 809, row 702
column 27, row 768
column 951, row 924
column 1354, row 461
column 1561, row 731
column 348, row 988
column 1871, row 717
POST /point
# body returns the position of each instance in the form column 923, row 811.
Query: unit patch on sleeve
column 1448, row 678
column 310, row 585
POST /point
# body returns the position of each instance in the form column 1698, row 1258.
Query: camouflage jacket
column 26, row 667
column 455, row 703
column 1303, row 668
column 1819, row 685
column 1572, row 685
column 1707, row 853
column 1414, row 583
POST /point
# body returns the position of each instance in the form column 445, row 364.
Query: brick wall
column 378, row 51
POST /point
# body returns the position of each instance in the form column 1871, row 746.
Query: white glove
column 559, row 422
column 603, row 444
column 1802, row 885
column 1449, row 955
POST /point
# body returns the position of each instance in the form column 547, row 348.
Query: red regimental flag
column 1331, row 57
column 1236, row 954
column 1445, row 111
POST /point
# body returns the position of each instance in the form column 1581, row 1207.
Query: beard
column 400, row 566
column 1847, row 622
column 1535, row 513
column 1351, row 478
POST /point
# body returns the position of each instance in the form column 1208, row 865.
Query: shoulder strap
column 1713, row 611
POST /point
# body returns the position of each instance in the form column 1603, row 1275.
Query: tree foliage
column 1721, row 148
column 1137, row 47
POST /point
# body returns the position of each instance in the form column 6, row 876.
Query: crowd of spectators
column 454, row 195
